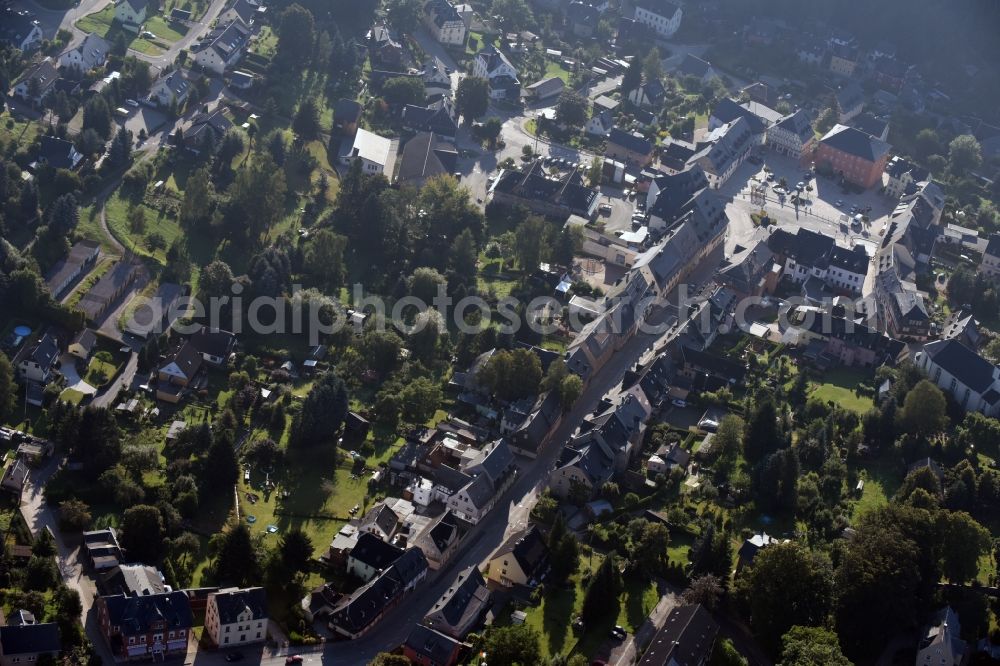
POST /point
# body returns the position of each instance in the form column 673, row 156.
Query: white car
column 780, row 190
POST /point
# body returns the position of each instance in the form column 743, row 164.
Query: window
column 258, row 634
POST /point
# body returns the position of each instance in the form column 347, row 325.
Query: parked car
column 604, row 209
column 677, row 402
column 619, row 632
column 839, row 203
column 294, row 659
column 234, row 656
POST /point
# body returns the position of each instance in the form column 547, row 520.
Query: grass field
column 266, row 43
column 553, row 68
column 99, row 372
column 838, row 387
column 103, row 24
column 71, row 396
column 116, row 211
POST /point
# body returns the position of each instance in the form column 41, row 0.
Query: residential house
column 91, row 53
column 492, row 471
column 346, row 114
column 521, row 560
column 130, row 14
column 440, row 541
column 462, row 607
column 649, row 95
column 444, row 22
column 902, row 311
column 723, row 150
column 222, row 48
column 629, row 147
column 972, row 381
column 492, row 65
column 58, row 153
column 172, row 88
column 371, row 556
column 902, row 176
column 37, row 82
column 236, row 616
column 242, row 80
column 792, row 135
column 807, row 254
column 694, row 66
column 962, row 327
column 426, row 156
column 759, row 116
column 872, row 125
column 600, row 123
column 750, row 270
column 81, row 258
column 83, row 344
column 356, row 615
column 154, row 626
column 179, row 15
column 371, row 150
column 667, row 458
column 384, row 50
column 544, row 89
column 15, row 474
column 244, row 11
column 751, row 546
column 843, row 58
column 427, row 647
column 990, row 265
column 889, row 73
column 941, row 643
column 380, row 521
column 850, row 100
column 544, row 195
column 582, row 468
column 37, row 364
column 437, row 78
column 582, row 18
column 214, row 345
column 438, row 117
column 24, row 643
column 852, row 156
column 195, row 135
column 343, row 543
column 176, row 372
column 841, row 341
column 687, row 638
column 661, row 16
column 19, row 29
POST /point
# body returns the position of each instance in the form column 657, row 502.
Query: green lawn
column 266, row 43
column 116, row 211
column 838, row 387
column 554, row 68
column 71, row 396
column 103, row 24
column 99, row 372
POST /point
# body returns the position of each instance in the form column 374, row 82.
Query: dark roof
column 676, row 193
column 716, row 365
column 869, row 124
column 443, row 534
column 855, row 142
column 375, row 553
column 495, row 461
column 230, row 603
column 137, row 5
column 528, row 548
column 693, row 66
column 728, row 110
column 686, row 639
column 45, row 352
column 798, row 124
column 135, row 614
column 432, row 645
column 187, row 359
column 382, row 516
column 805, row 247
column 853, row 259
column 86, row 339
column 57, row 153
column 849, row 96
column 532, row 185
column 582, row 13
column 30, row 639
column 635, row 143
column 426, row 155
column 466, row 597
column 962, row 363
column 993, row 246
column 347, row 111
column 410, row 566
column 15, row 26
column 434, row 118
column 213, row 342
column 179, row 14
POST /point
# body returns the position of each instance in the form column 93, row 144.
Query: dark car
column 294, row 659
column 234, row 656
column 619, row 632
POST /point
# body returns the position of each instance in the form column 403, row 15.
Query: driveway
column 124, row 380
column 73, row 381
